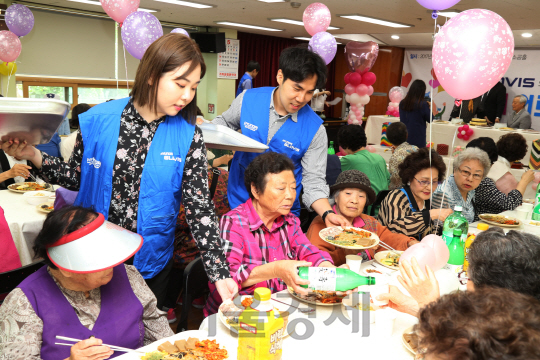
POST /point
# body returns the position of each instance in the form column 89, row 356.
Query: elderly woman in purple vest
column 83, row 291
column 136, row 159
column 262, row 238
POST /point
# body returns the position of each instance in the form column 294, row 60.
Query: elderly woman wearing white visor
column 84, row 292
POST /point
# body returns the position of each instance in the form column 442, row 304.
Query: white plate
column 291, row 291
column 333, row 231
column 13, row 187
column 408, row 330
column 381, row 255
column 501, row 225
column 372, row 267
column 40, row 209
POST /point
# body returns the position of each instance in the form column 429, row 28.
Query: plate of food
column 500, row 220
column 349, row 237
column 46, row 207
column 186, row 345
column 506, row 129
column 229, row 312
column 24, row 187
column 317, row 297
column 410, row 340
column 388, row 259
column 441, row 122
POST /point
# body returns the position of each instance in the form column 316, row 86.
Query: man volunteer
column 279, row 118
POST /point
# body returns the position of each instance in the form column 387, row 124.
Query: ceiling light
column 98, row 3
column 308, row 39
column 375, row 21
column 526, row 35
column 448, row 13
column 395, row 37
column 187, row 3
column 246, row 26
column 298, row 22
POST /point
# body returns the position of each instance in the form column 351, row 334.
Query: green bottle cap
column 371, row 280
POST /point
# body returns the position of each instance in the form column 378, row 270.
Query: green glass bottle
column 333, row 279
column 457, row 253
column 331, row 150
column 536, row 210
column 455, row 221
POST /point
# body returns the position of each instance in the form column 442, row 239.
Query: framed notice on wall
column 227, row 67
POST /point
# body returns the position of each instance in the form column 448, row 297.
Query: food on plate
column 535, row 223
column 351, row 237
column 39, row 194
column 503, row 220
column 479, row 122
column 391, row 259
column 27, row 186
column 247, row 302
column 412, row 341
column 190, row 349
column 506, row 128
column 371, row 271
column 323, row 297
column 47, row 207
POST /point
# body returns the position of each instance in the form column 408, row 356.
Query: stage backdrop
column 522, row 78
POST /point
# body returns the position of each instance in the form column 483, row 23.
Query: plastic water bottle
column 536, row 210
column 331, row 150
column 457, row 253
column 455, row 221
column 333, row 279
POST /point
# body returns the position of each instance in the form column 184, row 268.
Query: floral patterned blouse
column 134, row 140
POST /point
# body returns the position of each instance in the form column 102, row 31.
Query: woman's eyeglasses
column 462, row 277
column 466, row 174
column 427, row 183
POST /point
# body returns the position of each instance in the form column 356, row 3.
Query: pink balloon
column 388, row 112
column 347, row 77
column 370, row 90
column 466, row 137
column 355, row 79
column 362, row 90
column 10, row 46
column 361, row 56
column 354, row 108
column 369, row 78
column 537, row 177
column 316, row 18
column 424, row 254
column 349, row 121
column 471, row 53
column 358, row 113
column 465, row 127
column 396, row 94
column 470, row 132
column 350, row 89
column 395, row 113
column 390, row 108
column 459, row 136
column 118, row 10
column 371, row 149
column 439, row 248
column 534, row 185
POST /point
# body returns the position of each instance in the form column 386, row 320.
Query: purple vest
column 119, row 322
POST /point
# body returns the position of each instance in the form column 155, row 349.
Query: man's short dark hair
column 510, row 261
column 397, row 133
column 298, row 63
column 488, row 145
column 352, row 137
column 267, row 163
column 253, row 65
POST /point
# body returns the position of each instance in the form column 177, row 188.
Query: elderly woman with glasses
column 407, row 210
column 470, row 168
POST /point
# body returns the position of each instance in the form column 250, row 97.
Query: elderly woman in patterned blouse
column 262, row 239
column 489, row 199
column 140, row 187
column 470, row 168
column 83, row 290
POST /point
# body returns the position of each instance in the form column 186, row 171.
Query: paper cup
column 354, row 262
column 527, row 206
column 381, row 287
column 522, row 213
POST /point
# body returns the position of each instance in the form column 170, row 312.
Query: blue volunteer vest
column 242, row 79
column 292, row 139
column 161, row 180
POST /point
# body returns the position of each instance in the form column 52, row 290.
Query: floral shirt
column 449, row 196
column 134, row 141
column 21, row 328
column 400, row 153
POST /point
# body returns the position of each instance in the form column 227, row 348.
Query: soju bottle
column 536, row 210
column 455, row 221
column 333, row 279
column 457, row 254
column 331, row 150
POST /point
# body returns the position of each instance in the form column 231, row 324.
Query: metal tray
column 33, row 120
column 221, row 137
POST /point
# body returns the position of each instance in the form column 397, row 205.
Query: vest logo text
column 250, row 126
column 170, row 156
column 93, row 162
column 290, row 145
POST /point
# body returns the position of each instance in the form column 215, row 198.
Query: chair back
column 378, row 201
column 195, row 285
column 9, row 280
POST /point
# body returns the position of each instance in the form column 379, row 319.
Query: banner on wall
column 522, row 78
column 227, row 67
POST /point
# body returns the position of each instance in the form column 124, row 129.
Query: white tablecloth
column 444, row 134
column 24, row 221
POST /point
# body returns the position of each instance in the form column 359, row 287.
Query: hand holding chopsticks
column 92, row 348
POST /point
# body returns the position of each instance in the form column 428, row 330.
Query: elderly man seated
column 262, row 239
column 519, row 118
column 84, row 292
column 510, row 261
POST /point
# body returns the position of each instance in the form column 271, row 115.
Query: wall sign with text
column 228, row 61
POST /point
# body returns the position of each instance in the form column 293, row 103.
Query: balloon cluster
column 139, row 28
column 464, row 132
column 316, row 20
column 432, row 251
column 20, row 21
column 396, row 94
column 536, row 180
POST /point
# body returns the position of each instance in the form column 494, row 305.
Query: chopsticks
column 114, row 348
column 388, row 247
column 49, row 187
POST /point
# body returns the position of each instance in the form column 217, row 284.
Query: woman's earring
column 409, row 183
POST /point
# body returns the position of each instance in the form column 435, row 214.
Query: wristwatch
column 326, row 214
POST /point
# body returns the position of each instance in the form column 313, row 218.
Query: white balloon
column 394, row 104
column 355, row 98
column 356, row 122
column 364, row 100
column 352, row 116
column 348, row 98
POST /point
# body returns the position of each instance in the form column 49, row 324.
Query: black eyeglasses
column 463, row 278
